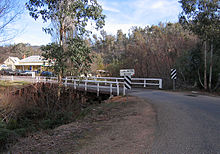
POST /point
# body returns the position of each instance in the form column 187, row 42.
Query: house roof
column 33, row 59
column 15, row 59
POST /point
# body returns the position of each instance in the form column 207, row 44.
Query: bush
column 6, row 136
column 40, row 106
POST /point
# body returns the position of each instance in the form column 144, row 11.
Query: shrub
column 6, row 136
column 40, row 106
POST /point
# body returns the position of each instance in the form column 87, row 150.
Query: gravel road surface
column 186, row 123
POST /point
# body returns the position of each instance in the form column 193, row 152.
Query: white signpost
column 127, row 72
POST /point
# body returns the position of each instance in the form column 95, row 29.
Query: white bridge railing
column 139, row 81
column 114, row 84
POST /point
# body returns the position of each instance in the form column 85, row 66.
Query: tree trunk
column 218, row 83
column 60, row 75
column 210, row 69
column 205, row 65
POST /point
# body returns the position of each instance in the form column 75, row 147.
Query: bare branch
column 10, row 10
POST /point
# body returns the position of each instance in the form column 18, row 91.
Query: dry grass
column 10, row 85
column 41, row 106
column 121, row 125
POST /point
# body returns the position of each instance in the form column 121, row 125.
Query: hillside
column 18, row 50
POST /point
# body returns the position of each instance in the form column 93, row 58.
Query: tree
column 9, row 12
column 202, row 17
column 69, row 18
column 151, row 51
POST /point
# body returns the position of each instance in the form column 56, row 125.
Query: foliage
column 54, row 54
column 188, row 65
column 151, row 51
column 98, row 63
column 75, row 59
column 37, row 107
column 80, row 56
column 69, row 20
column 72, row 14
column 202, row 17
column 6, row 136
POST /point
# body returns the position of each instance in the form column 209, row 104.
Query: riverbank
column 119, row 125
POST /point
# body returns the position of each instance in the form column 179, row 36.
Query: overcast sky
column 121, row 14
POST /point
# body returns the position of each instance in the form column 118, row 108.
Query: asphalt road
column 186, row 123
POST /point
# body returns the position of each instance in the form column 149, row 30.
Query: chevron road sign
column 127, row 81
column 127, row 73
column 173, row 77
column 173, row 74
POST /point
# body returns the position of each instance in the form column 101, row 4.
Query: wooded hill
column 153, row 51
column 18, row 50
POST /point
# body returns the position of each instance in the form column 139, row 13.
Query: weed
column 40, row 106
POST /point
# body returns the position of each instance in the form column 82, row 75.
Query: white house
column 11, row 62
column 32, row 63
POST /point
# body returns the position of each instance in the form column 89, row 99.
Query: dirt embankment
column 121, row 125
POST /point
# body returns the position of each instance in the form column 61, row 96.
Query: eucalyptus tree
column 69, row 19
column 202, row 17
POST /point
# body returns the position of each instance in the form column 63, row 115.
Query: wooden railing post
column 74, row 84
column 110, row 89
column 86, row 85
column 65, row 82
column 124, row 90
column 160, row 83
column 98, row 89
column 117, row 88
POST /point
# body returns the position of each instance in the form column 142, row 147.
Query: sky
column 120, row 14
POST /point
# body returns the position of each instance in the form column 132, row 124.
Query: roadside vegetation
column 37, row 107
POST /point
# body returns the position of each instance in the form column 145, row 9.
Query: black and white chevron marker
column 127, row 81
column 173, row 74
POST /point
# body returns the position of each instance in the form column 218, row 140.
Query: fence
column 111, row 84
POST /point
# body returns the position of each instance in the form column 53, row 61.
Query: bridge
column 111, row 85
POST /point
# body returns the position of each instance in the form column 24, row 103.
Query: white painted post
column 105, row 81
column 160, row 84
column 98, row 89
column 12, row 78
column 117, row 88
column 86, row 85
column 124, row 90
column 110, row 89
column 65, row 82
column 144, row 83
column 33, row 74
column 74, row 84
